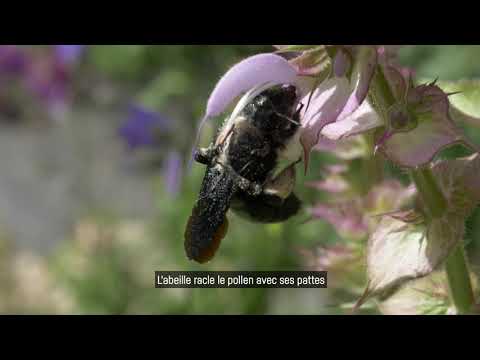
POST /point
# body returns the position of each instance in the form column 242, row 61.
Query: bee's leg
column 248, row 186
column 283, row 184
column 205, row 155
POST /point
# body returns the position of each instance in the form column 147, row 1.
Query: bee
column 244, row 170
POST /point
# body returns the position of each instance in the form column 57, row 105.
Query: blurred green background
column 85, row 220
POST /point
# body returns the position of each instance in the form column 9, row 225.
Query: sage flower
column 423, row 122
column 68, row 54
column 143, row 127
column 172, row 172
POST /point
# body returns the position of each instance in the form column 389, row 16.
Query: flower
column 68, row 54
column 46, row 73
column 419, row 116
column 345, row 217
column 343, row 262
column 419, row 127
column 145, row 129
column 335, row 97
column 350, row 114
column 333, row 83
column 48, row 80
column 352, row 215
column 172, row 172
column 13, row 60
column 142, row 126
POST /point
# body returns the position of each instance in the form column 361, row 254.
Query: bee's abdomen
column 208, row 223
column 266, row 208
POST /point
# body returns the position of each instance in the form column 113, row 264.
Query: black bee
column 243, row 170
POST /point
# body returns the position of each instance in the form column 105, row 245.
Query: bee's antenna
column 288, row 118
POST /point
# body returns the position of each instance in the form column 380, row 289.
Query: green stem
column 380, row 95
column 436, row 205
column 459, row 281
column 433, row 198
column 461, row 293
column 373, row 165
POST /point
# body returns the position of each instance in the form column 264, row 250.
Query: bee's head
column 282, row 99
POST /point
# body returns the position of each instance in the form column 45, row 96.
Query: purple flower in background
column 347, row 219
column 142, row 127
column 68, row 54
column 43, row 73
column 49, row 81
column 172, row 172
column 13, row 60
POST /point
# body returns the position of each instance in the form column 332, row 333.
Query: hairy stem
column 459, row 281
column 433, row 198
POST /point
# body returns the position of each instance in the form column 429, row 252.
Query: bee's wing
column 208, row 224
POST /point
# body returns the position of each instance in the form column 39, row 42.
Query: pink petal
column 331, row 185
column 363, row 119
column 326, row 104
column 342, row 63
column 346, row 219
column 325, row 144
column 388, row 52
column 419, row 147
column 334, row 100
column 331, row 258
column 361, row 77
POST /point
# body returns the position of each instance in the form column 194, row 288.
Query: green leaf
column 468, row 98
